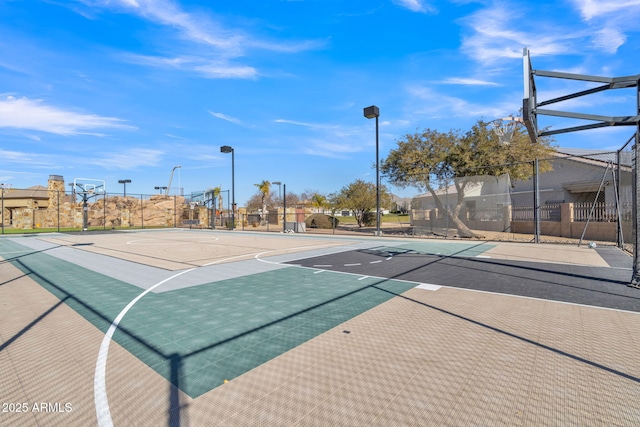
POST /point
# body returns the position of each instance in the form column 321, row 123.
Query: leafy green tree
column 425, row 159
column 360, row 198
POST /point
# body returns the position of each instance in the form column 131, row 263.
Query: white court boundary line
column 103, row 412
column 422, row 285
column 150, row 242
column 99, row 380
column 101, row 401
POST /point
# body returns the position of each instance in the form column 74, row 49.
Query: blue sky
column 129, row 89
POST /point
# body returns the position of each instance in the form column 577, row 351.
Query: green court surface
column 200, row 336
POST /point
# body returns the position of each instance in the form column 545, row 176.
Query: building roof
column 626, row 157
column 35, row 192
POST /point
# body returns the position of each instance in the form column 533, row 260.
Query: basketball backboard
column 88, row 186
column 529, row 101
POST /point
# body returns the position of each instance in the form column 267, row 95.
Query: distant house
column 19, row 206
column 578, row 179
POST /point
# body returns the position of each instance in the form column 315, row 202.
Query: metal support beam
column 536, row 203
column 635, row 277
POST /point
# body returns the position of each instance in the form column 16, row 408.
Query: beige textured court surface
column 445, row 357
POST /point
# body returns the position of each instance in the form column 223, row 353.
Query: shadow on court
column 336, row 308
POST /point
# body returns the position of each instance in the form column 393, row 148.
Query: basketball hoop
column 505, row 128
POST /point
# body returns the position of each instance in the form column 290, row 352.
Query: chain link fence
column 581, row 196
column 40, row 209
column 626, row 165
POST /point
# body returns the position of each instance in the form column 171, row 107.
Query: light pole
column 228, row 201
column 278, row 183
column 124, row 182
column 160, row 188
column 370, row 113
column 227, row 149
column 2, row 187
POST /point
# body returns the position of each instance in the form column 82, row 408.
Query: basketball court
column 186, row 327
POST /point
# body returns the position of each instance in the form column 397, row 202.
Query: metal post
column 284, row 204
column 635, row 278
column 619, row 228
column 2, row 190
column 377, row 182
column 536, row 203
column 142, row 211
column 58, row 193
column 233, row 191
column 370, row 113
column 85, row 213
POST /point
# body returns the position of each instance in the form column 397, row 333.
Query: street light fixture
column 160, row 188
column 124, row 182
column 227, row 149
column 279, row 184
column 370, row 113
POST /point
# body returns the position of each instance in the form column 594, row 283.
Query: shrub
column 320, row 221
column 369, row 218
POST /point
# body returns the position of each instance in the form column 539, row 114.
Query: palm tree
column 265, row 188
column 319, row 201
column 215, row 193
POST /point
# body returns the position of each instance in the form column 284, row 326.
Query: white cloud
column 200, row 28
column 590, row 9
column 492, row 36
column 334, row 150
column 414, row 5
column 467, row 82
column 293, row 122
column 225, row 117
column 16, row 156
column 128, row 159
column 24, row 113
column 439, row 105
column 196, row 28
column 608, row 40
column 214, row 69
column 206, row 45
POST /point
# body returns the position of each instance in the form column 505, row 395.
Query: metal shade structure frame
column 531, row 110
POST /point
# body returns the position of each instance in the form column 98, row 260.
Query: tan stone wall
column 108, row 212
column 119, row 211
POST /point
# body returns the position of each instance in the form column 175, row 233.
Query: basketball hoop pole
column 87, row 189
column 635, row 277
